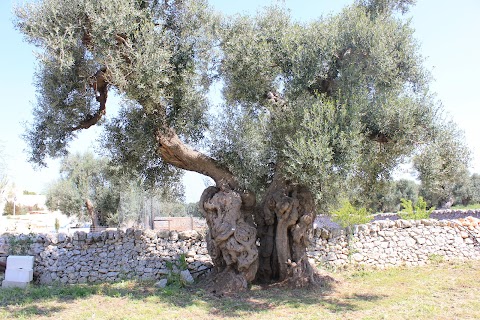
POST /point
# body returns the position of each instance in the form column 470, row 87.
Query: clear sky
column 448, row 33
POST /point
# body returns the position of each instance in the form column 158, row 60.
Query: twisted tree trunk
column 231, row 237
column 284, row 222
column 248, row 242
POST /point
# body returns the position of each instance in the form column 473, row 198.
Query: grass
column 438, row 291
column 469, row 207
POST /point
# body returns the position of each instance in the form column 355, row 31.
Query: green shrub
column 348, row 215
column 417, row 212
column 175, row 267
column 20, row 244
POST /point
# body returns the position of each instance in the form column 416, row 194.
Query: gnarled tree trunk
column 284, row 222
column 248, row 242
column 231, row 237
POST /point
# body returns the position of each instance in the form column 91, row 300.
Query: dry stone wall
column 390, row 243
column 109, row 256
column 138, row 254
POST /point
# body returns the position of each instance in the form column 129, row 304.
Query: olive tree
column 83, row 189
column 443, row 165
column 311, row 110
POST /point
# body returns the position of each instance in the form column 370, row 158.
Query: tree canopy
column 311, row 110
column 91, row 189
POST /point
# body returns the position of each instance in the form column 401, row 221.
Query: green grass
column 440, row 290
column 470, row 206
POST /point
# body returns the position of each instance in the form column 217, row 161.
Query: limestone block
column 162, row 283
column 20, row 262
column 421, row 240
column 357, row 257
column 14, row 284
column 186, row 276
column 18, row 275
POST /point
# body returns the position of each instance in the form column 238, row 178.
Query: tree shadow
column 264, row 298
column 33, row 310
column 259, row 299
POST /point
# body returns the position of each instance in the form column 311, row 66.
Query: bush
column 418, row 212
column 348, row 215
column 19, row 209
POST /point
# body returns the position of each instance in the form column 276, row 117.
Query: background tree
column 91, row 188
column 83, row 190
column 311, row 111
column 389, row 197
column 467, row 191
column 442, row 165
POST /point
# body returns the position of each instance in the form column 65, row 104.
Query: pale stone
column 162, row 283
column 186, row 276
column 357, row 257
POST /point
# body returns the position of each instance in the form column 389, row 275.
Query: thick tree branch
column 175, row 152
column 100, row 86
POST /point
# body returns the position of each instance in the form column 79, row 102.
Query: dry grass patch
column 437, row 291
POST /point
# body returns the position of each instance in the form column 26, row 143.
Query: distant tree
column 467, row 191
column 29, row 193
column 442, row 166
column 475, row 188
column 83, row 189
column 93, row 188
column 312, row 111
column 193, row 210
column 389, row 198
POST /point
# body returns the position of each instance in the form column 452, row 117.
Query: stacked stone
column 393, row 243
column 109, row 256
column 138, row 254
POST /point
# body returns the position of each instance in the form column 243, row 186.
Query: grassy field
column 437, row 291
column 471, row 206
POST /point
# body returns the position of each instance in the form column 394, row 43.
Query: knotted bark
column 231, row 238
column 284, row 222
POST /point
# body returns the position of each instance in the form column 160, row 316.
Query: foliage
column 390, row 195
column 333, row 105
column 467, row 190
column 19, row 208
column 347, row 215
column 117, row 197
column 443, row 165
column 30, row 193
column 175, row 267
column 417, row 212
column 192, row 210
column 20, row 244
column 82, row 177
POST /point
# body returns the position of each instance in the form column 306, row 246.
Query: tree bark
column 280, row 224
column 231, row 238
column 174, row 151
column 229, row 213
column 91, row 212
column 284, row 222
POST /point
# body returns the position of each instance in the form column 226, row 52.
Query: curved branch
column 175, row 152
column 99, row 84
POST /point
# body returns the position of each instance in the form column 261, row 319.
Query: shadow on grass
column 29, row 302
column 263, row 299
column 32, row 310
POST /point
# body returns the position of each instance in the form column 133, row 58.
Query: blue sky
column 448, row 33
